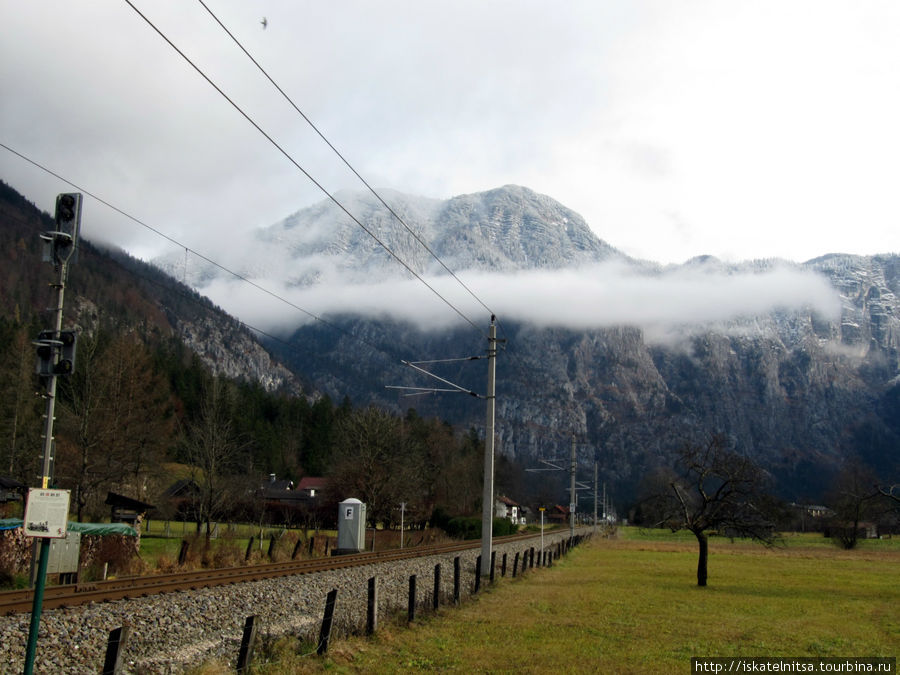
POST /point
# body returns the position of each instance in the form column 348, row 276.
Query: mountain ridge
column 793, row 387
column 798, row 390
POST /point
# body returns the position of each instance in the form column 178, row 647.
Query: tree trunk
column 703, row 544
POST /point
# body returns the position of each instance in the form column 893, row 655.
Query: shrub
column 469, row 527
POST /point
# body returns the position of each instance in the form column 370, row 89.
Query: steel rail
column 70, row 595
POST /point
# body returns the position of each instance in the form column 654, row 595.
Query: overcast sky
column 737, row 129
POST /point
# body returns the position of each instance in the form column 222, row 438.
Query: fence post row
column 119, row 636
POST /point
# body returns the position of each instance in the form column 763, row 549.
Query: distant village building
column 504, row 507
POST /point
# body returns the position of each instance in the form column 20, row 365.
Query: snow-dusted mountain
column 798, row 363
column 503, row 230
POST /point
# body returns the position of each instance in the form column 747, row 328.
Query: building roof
column 123, row 502
column 312, row 483
column 182, row 488
column 7, row 483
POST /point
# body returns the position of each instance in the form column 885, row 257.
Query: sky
column 740, row 130
column 676, row 129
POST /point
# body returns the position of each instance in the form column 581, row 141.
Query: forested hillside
column 146, row 407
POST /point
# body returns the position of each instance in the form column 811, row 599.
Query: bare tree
column 212, row 451
column 113, row 421
column 716, row 489
column 19, row 404
column 375, row 461
column 891, row 492
column 855, row 499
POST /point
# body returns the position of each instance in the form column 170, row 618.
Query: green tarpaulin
column 83, row 528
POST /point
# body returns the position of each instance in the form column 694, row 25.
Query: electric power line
column 238, row 276
column 344, row 160
column 297, row 165
column 531, row 427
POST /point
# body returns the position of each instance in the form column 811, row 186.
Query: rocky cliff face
column 795, row 390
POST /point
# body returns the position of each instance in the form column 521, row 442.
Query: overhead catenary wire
column 172, row 240
column 544, row 431
column 344, row 159
column 346, row 162
column 300, row 168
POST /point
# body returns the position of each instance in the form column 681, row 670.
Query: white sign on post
column 47, row 513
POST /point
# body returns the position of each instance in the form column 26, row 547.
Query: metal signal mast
column 55, row 357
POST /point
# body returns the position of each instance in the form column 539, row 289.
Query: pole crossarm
column 419, row 391
column 454, row 387
column 552, row 463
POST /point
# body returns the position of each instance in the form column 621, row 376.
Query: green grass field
column 630, row 605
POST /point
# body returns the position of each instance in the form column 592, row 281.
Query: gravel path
column 174, row 631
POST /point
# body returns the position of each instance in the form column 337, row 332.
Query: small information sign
column 47, row 513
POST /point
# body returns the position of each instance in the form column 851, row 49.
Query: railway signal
column 55, row 357
column 55, row 354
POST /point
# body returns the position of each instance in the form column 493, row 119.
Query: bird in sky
column 264, row 22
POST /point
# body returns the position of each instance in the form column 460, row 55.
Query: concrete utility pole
column 572, row 469
column 604, row 502
column 487, row 508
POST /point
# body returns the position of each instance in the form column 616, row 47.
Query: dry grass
column 630, row 606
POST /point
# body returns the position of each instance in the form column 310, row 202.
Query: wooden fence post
column 493, row 564
column 372, row 609
column 411, row 614
column 296, row 549
column 327, row 620
column 249, row 549
column 515, row 564
column 182, row 554
column 503, row 566
column 478, row 574
column 456, row 574
column 245, row 655
column 115, row 647
column 436, row 599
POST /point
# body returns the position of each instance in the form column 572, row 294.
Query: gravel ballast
column 174, row 631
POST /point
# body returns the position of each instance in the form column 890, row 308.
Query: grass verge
column 630, row 605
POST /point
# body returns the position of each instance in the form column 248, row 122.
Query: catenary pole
column 487, row 507
column 572, row 489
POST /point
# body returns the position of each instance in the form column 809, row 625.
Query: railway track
column 70, row 595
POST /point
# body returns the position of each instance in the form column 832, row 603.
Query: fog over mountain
column 796, row 362
column 523, row 255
